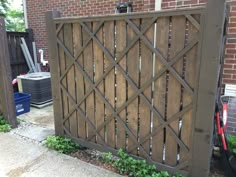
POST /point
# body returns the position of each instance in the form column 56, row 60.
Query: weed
column 134, row 168
column 107, row 158
column 61, row 144
column 4, row 126
column 231, row 140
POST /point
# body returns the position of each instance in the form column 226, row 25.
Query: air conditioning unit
column 38, row 85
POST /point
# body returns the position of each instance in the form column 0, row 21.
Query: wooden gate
column 139, row 82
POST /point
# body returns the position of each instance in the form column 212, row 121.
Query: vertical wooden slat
column 64, row 65
column 133, row 72
column 109, row 40
column 121, row 82
column 99, row 69
column 174, row 87
column 77, row 40
column 55, row 72
column 6, row 91
column 88, row 67
column 190, row 77
column 146, row 74
column 209, row 54
column 162, row 35
column 68, row 41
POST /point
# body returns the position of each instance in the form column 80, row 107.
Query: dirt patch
column 93, row 157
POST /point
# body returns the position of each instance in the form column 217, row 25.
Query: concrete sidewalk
column 23, row 158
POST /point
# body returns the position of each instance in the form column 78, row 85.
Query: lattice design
column 119, row 81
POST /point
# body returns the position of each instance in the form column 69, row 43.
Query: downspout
column 25, row 14
column 158, row 5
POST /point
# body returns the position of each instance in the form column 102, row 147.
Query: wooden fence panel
column 17, row 59
column 131, row 82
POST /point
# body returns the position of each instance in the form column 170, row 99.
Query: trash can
column 22, row 103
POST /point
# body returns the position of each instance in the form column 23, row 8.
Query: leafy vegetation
column 232, row 143
column 15, row 20
column 4, row 126
column 107, row 158
column 132, row 167
column 61, row 144
column 14, row 17
column 4, row 6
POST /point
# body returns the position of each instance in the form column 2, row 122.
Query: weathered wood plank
column 65, row 64
column 174, row 87
column 191, row 78
column 145, row 75
column 68, row 41
column 88, row 67
column 121, row 35
column 109, row 42
column 162, row 36
column 77, row 40
column 133, row 72
column 6, row 94
column 99, row 70
column 209, row 54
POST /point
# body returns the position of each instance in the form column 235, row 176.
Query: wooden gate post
column 208, row 79
column 6, row 89
column 55, row 71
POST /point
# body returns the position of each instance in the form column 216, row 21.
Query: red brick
column 231, row 51
column 228, row 66
column 233, row 9
column 232, row 25
column 232, row 30
column 232, row 19
column 227, row 76
column 231, row 46
column 229, row 81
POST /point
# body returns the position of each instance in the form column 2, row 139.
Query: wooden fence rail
column 138, row 82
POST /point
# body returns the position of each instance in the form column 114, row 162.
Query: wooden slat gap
column 81, row 50
column 162, row 58
column 82, row 114
column 146, row 84
column 166, row 125
column 105, row 101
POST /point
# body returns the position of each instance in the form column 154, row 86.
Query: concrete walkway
column 21, row 157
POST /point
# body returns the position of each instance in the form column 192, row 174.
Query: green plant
column 231, row 140
column 107, row 158
column 61, row 144
column 4, row 126
column 135, row 168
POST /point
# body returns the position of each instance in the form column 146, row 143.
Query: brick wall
column 37, row 8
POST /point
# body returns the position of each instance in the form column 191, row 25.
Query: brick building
column 36, row 20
